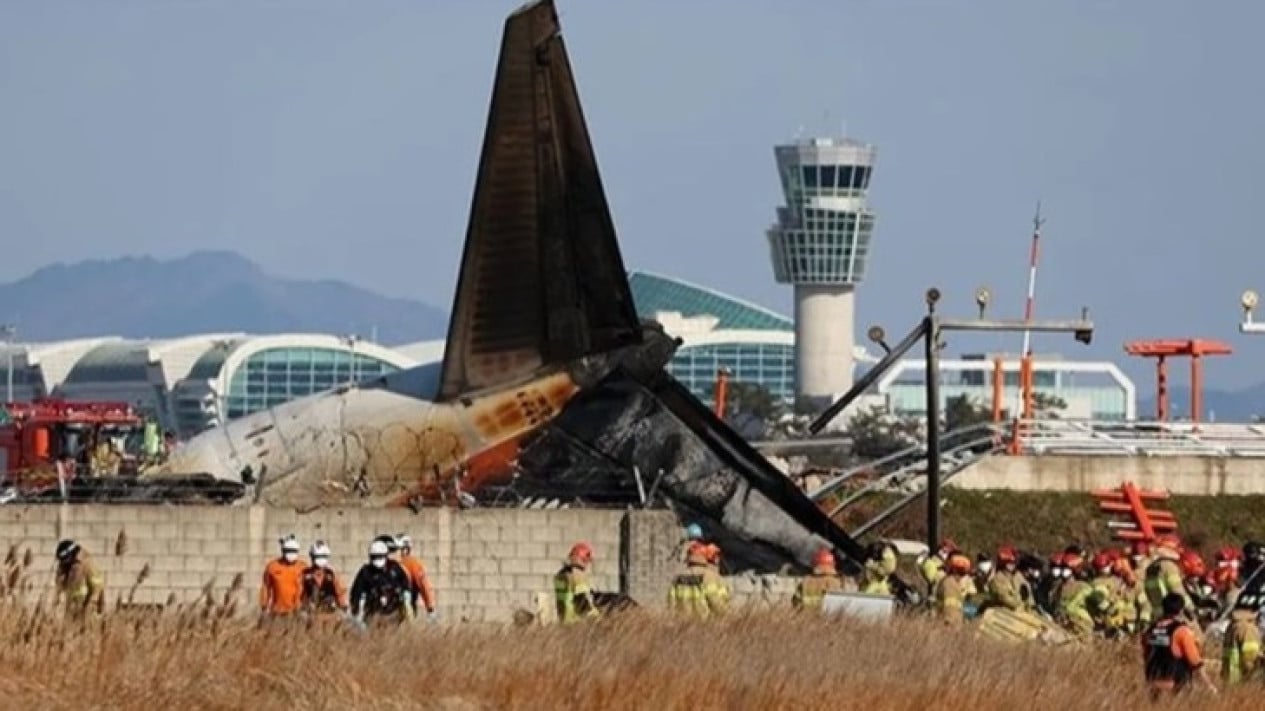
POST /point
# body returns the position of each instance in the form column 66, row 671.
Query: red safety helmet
column 1007, row 554
column 1103, row 563
column 1169, row 541
column 823, row 558
column 581, row 553
column 1141, row 549
column 713, row 554
column 1192, row 565
column 1229, row 557
column 1073, row 561
column 947, row 548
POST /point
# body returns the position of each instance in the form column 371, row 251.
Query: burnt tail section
column 542, row 281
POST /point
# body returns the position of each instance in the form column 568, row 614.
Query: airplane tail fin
column 542, row 281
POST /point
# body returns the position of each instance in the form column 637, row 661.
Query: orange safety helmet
column 696, row 554
column 823, row 558
column 1192, row 565
column 1007, row 554
column 581, row 554
column 958, row 564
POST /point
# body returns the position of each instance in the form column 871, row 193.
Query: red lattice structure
column 1163, row 349
column 1143, row 524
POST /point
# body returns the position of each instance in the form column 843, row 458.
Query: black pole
column 931, row 329
column 871, row 376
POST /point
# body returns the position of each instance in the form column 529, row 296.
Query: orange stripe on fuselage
column 498, row 422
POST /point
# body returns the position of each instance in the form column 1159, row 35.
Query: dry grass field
column 195, row 658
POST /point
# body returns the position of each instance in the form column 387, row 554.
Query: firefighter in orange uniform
column 416, row 570
column 281, row 593
column 323, row 592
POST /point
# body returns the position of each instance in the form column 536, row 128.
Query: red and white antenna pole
column 1025, row 365
column 1032, row 278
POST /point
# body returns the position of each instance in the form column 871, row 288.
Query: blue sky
column 339, row 139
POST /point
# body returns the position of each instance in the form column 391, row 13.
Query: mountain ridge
column 208, row 291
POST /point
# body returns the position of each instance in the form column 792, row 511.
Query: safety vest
column 320, row 591
column 572, row 595
column 1161, row 663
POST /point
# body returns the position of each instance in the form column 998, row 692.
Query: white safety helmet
column 290, row 548
column 320, row 554
column 378, row 553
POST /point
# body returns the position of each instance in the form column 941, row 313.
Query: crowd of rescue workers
column 1161, row 594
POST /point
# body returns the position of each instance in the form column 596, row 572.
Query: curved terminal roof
column 130, row 361
column 654, row 293
column 238, row 352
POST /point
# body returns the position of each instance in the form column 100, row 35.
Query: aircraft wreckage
column 550, row 384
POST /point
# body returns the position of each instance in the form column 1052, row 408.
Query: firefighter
column 1034, row 573
column 1135, row 606
column 1252, row 561
column 932, row 566
column 1007, row 587
column 416, row 570
column 323, row 592
column 1164, row 575
column 378, row 592
column 811, row 590
column 1241, row 648
column 1074, row 594
column 880, row 563
column 572, row 594
column 953, row 589
column 699, row 592
column 1049, row 591
column 1198, row 591
column 1170, row 650
column 282, row 588
column 1225, row 576
column 1106, row 603
column 78, row 580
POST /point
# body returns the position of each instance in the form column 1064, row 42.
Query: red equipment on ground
column 41, row 435
column 1146, row 524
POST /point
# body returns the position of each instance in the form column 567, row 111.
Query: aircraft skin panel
column 542, row 282
column 371, row 445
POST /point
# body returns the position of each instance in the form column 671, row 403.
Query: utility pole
column 10, row 335
column 930, row 329
column 1022, row 404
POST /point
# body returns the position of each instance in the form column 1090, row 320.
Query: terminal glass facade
column 771, row 366
column 276, row 375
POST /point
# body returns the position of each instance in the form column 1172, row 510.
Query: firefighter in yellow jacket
column 700, row 591
column 1008, row 587
column 953, row 589
column 811, row 590
column 1241, row 648
column 572, row 594
column 78, row 580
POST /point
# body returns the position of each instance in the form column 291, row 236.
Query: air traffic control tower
column 820, row 244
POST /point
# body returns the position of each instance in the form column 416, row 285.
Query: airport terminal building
column 189, row 384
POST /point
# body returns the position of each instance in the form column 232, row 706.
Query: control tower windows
column 828, row 177
column 810, row 176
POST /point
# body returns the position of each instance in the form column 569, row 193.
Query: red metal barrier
column 1145, row 524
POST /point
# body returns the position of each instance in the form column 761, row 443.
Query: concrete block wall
column 484, row 563
column 1190, row 475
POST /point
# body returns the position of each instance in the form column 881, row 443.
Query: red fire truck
column 46, row 443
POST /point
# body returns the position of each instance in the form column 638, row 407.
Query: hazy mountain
column 204, row 292
column 1223, row 405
